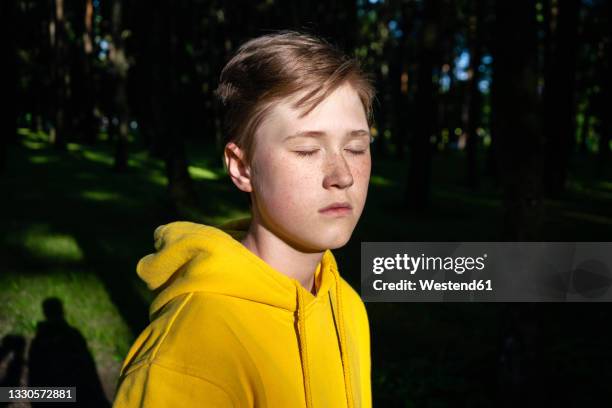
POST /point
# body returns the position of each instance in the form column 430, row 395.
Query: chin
column 320, row 238
column 334, row 241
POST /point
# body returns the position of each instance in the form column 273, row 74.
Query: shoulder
column 207, row 321
column 181, row 336
column 153, row 384
column 197, row 335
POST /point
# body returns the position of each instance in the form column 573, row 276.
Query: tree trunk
column 8, row 117
column 517, row 121
column 419, row 172
column 61, row 77
column 474, row 96
column 165, row 100
column 605, row 122
column 120, row 68
column 559, row 91
column 87, row 125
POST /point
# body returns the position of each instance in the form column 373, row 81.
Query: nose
column 337, row 173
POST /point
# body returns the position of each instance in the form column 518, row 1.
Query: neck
column 283, row 257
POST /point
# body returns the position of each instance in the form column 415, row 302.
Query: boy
column 255, row 313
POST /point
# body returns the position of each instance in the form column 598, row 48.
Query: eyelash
column 312, row 152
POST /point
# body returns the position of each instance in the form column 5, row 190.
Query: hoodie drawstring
column 342, row 335
column 301, row 316
column 303, row 344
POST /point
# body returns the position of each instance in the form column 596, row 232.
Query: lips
column 337, row 206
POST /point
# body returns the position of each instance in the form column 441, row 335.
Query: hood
column 193, row 257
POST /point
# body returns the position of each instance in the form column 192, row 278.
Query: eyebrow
column 318, row 133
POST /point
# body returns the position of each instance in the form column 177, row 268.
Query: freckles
column 361, row 176
column 288, row 184
column 362, row 170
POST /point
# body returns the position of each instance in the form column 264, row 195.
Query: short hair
column 272, row 67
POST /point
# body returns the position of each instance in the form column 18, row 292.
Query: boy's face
column 293, row 178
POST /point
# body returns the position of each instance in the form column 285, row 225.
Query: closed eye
column 356, row 152
column 306, row 153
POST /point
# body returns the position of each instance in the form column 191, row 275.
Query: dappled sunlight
column 199, row 173
column 74, row 147
column 86, row 300
column 43, row 159
column 158, row 178
column 41, row 243
column 53, row 247
column 98, row 157
column 99, row 195
column 604, row 185
column 35, row 145
column 380, row 181
column 599, row 190
column 87, row 308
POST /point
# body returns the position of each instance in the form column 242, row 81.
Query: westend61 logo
column 486, row 271
column 411, row 264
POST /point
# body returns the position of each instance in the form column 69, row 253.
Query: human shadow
column 59, row 357
column 12, row 356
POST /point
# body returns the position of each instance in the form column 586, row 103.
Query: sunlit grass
column 74, row 147
column 74, row 229
column 98, row 157
column 42, row 159
column 199, row 173
column 34, row 145
column 98, row 195
column 86, row 304
column 158, row 178
column 42, row 244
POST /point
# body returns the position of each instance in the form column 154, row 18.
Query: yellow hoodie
column 228, row 330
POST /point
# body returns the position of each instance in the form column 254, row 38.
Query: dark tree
column 165, row 113
column 61, row 74
column 82, row 89
column 604, row 100
column 475, row 34
column 8, row 117
column 119, row 72
column 516, row 124
column 399, row 73
column 559, row 91
column 425, row 116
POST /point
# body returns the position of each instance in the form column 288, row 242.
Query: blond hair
column 272, row 67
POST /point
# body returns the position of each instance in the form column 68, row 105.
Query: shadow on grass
column 58, row 356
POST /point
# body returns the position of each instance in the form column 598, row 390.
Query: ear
column 237, row 168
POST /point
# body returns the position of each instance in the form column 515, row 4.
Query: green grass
column 72, row 228
column 86, row 303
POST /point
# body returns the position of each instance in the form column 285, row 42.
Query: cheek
column 361, row 180
column 285, row 184
column 361, row 173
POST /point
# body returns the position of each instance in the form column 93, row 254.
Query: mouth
column 337, row 209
